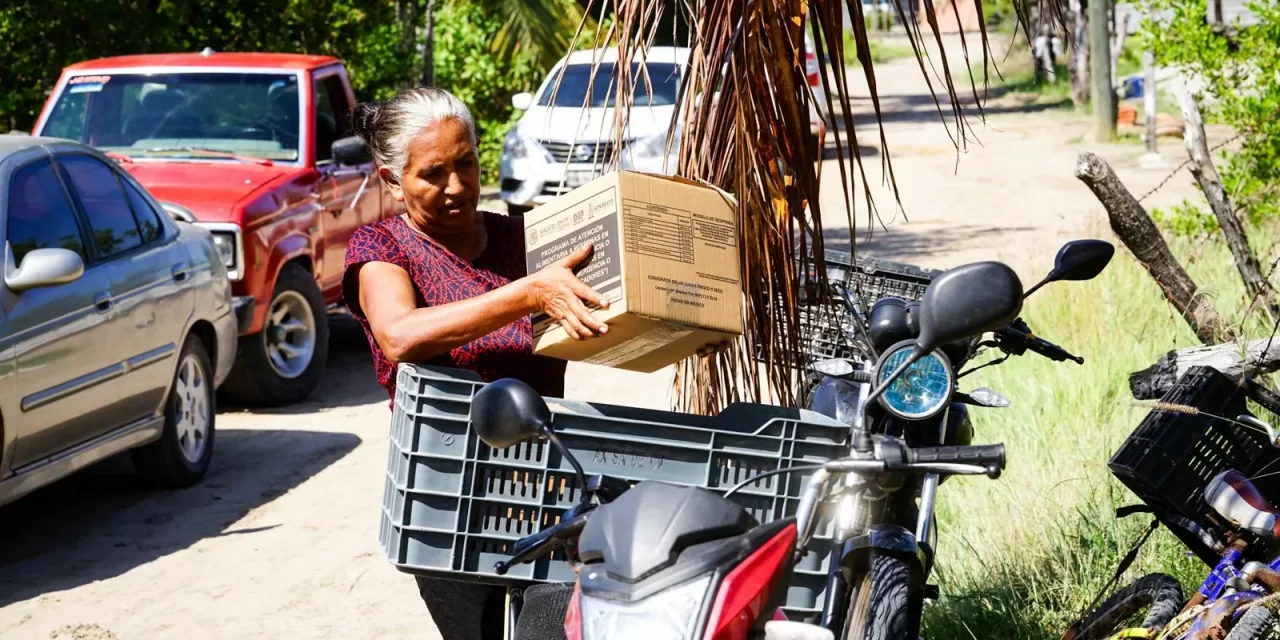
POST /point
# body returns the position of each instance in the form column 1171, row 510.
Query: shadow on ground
column 348, row 380
column 102, row 522
column 922, row 107
column 903, row 242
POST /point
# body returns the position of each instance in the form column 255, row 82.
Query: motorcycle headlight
column 922, row 390
column 672, row 614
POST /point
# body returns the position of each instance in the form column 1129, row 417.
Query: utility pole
column 429, row 47
column 1104, row 97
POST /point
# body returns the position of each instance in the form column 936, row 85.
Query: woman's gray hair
column 389, row 127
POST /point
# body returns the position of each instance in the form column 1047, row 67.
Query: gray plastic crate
column 453, row 506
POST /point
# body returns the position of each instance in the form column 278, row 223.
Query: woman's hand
column 559, row 293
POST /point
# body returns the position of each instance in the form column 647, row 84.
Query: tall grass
column 1021, row 556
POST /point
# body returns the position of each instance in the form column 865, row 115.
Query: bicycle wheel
column 1256, row 624
column 1159, row 594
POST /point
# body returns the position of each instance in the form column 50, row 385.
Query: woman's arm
column 407, row 333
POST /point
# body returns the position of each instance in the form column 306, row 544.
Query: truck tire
column 282, row 364
column 181, row 456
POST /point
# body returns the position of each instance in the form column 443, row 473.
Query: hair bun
column 363, row 120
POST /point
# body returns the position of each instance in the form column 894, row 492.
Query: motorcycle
column 664, row 560
column 885, row 528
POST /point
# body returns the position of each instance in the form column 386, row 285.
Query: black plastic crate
column 454, row 506
column 827, row 330
column 1171, row 456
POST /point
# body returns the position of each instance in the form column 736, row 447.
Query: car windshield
column 661, row 89
column 181, row 114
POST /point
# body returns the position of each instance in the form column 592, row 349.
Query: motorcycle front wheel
column 886, row 599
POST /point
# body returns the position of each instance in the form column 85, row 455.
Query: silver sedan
column 115, row 322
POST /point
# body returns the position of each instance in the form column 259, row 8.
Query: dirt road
column 282, row 538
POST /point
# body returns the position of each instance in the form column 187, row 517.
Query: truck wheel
column 282, row 364
column 181, row 456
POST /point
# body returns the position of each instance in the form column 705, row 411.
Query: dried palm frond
column 744, row 106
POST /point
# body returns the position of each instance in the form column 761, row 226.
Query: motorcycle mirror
column 966, row 301
column 984, row 397
column 1078, row 260
column 507, row 412
column 835, row 367
column 963, row 302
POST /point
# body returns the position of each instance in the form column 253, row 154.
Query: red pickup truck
column 257, row 147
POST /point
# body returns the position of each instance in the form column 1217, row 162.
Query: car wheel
column 517, row 210
column 181, row 456
column 282, row 364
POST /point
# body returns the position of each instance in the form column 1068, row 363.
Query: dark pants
column 465, row 610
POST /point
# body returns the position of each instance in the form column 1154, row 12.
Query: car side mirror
column 351, row 151
column 41, row 268
column 522, row 101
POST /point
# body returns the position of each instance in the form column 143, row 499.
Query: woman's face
column 440, row 186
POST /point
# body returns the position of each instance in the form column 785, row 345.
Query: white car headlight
column 229, row 246
column 655, row 146
column 225, row 243
column 515, row 146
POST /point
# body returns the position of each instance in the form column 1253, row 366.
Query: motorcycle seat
column 1238, row 500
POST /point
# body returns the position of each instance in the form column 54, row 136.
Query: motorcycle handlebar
column 1051, row 351
column 544, row 542
column 1017, row 339
column 982, row 455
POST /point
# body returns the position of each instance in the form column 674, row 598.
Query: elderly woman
column 445, row 284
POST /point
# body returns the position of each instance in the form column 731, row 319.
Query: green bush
column 1186, row 220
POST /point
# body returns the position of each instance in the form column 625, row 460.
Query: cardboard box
column 666, row 258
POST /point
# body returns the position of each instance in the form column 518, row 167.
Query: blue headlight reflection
column 922, row 390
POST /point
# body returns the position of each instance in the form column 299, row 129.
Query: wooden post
column 1211, row 184
column 1117, row 46
column 1149, row 98
column 1079, row 55
column 1139, row 233
column 1103, row 96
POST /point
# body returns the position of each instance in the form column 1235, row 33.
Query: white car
column 559, row 144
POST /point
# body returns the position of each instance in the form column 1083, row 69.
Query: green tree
column 484, row 82
column 1240, row 68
